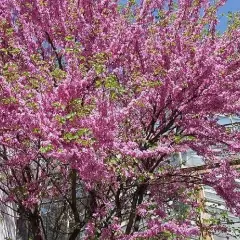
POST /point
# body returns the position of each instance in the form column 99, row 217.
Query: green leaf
column 69, row 38
column 58, row 74
column 82, row 131
column 58, row 105
column 111, row 82
column 45, row 149
column 99, row 68
column 70, row 116
column 71, row 136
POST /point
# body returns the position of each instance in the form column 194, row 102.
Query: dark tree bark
column 36, row 227
column 74, row 208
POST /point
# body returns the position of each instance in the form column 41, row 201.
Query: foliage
column 96, row 98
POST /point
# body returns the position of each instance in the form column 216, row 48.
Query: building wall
column 7, row 222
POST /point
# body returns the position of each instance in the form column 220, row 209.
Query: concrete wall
column 7, row 222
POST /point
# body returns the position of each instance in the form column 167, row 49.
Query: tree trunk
column 36, row 226
column 137, row 199
column 73, row 206
column 22, row 227
column 74, row 234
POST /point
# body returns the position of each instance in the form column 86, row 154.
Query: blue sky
column 230, row 6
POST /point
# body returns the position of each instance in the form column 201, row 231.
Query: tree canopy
column 97, row 98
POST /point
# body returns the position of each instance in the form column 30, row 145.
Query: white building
column 7, row 221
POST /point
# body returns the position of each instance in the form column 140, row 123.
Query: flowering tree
column 98, row 98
